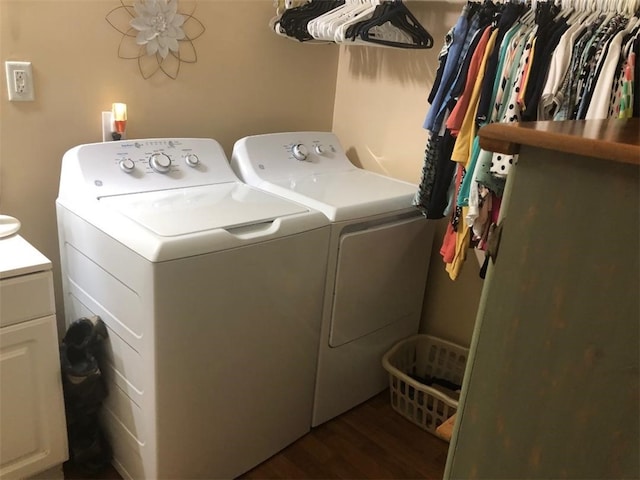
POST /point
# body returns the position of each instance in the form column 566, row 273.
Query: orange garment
column 448, row 248
column 464, row 142
column 463, row 238
column 456, row 117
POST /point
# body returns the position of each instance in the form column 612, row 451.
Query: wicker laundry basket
column 426, row 358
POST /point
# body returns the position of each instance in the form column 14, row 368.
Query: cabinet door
column 32, row 422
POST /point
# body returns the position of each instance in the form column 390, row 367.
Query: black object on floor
column 81, row 361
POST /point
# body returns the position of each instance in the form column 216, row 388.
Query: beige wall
column 381, row 102
column 247, row 80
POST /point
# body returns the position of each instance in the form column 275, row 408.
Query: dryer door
column 380, row 278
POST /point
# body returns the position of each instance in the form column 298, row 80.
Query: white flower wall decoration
column 156, row 34
column 159, row 25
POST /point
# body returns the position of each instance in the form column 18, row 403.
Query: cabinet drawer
column 26, row 297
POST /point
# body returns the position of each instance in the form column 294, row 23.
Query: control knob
column 192, row 159
column 300, row 152
column 160, row 162
column 127, row 165
column 319, row 149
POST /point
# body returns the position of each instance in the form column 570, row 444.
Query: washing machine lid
column 346, row 195
column 184, row 211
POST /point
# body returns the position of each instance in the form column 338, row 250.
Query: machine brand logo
column 261, row 166
column 97, row 183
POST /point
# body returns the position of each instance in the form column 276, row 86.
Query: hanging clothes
column 462, row 39
column 507, row 63
column 463, row 153
column 600, row 101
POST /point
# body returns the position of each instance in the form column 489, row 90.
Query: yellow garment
column 463, row 236
column 462, row 149
column 462, row 154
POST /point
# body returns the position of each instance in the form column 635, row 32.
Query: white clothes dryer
column 378, row 259
column 212, row 294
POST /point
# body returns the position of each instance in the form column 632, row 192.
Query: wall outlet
column 19, row 81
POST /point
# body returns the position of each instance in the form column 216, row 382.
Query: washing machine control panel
column 279, row 156
column 311, row 150
column 299, row 151
column 133, row 166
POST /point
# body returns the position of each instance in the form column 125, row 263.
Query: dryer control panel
column 289, row 155
column 133, row 166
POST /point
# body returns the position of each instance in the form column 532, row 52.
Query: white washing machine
column 212, row 293
column 378, row 256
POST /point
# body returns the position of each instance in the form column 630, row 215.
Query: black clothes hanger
column 396, row 13
column 294, row 21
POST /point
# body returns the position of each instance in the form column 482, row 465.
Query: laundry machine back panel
column 380, row 278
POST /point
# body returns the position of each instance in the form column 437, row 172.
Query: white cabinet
column 33, row 436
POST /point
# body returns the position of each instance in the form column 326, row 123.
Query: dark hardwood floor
column 371, row 441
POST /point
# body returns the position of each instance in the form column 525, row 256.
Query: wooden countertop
column 614, row 140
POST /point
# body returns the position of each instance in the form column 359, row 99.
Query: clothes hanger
column 631, row 7
column 324, row 26
column 294, row 21
column 314, row 26
column 360, row 16
column 353, row 29
column 364, row 12
column 382, row 29
column 392, row 24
